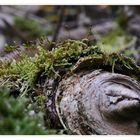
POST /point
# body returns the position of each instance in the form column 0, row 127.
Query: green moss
column 122, row 18
column 9, row 48
column 116, row 41
column 62, row 58
column 17, row 117
column 31, row 27
column 111, row 62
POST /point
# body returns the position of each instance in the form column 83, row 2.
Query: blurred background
column 114, row 26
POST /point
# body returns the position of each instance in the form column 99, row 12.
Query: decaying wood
column 99, row 102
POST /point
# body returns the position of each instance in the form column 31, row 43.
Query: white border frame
column 70, row 2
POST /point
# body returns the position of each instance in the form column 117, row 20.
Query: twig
column 15, row 30
column 59, row 25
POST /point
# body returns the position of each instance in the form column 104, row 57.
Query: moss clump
column 63, row 58
column 122, row 18
column 9, row 48
column 116, row 41
column 31, row 27
column 17, row 117
column 111, row 62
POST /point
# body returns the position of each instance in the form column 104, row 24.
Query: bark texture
column 99, row 102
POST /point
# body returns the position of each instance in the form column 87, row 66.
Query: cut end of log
column 99, row 102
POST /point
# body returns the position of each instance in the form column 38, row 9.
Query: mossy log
column 87, row 90
column 89, row 100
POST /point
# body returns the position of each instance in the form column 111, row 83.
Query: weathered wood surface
column 99, row 102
